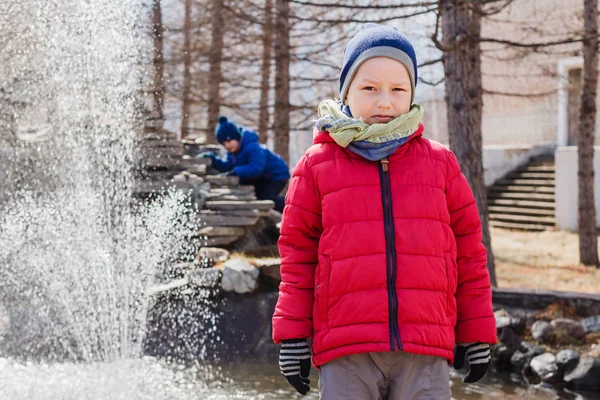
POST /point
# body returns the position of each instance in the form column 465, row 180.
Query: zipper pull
column 384, row 164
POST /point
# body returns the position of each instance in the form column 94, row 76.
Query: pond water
column 150, row 379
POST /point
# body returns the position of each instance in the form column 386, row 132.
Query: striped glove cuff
column 478, row 353
column 291, row 355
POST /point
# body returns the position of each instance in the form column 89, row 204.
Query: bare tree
column 461, row 30
column 159, row 62
column 215, row 74
column 263, row 120
column 281, row 124
column 187, row 75
column 588, row 240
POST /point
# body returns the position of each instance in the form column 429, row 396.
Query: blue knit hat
column 227, row 130
column 374, row 40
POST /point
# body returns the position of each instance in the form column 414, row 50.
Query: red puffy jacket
column 382, row 256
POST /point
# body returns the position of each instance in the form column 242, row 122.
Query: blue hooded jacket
column 253, row 161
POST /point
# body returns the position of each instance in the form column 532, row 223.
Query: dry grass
column 542, row 260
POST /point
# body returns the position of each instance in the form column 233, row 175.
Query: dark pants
column 267, row 189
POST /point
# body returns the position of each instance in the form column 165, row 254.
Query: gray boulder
column 544, row 366
column 520, row 359
column 591, row 324
column 585, row 376
column 567, row 328
column 567, row 360
column 239, row 276
column 541, row 330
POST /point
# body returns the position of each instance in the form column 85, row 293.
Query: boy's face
column 232, row 145
column 380, row 91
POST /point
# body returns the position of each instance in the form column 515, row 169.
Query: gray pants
column 385, row 376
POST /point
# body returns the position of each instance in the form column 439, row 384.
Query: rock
column 591, row 324
column 585, row 376
column 235, row 191
column 239, row 276
column 198, row 169
column 567, row 328
column 506, row 322
column 269, row 269
column 510, row 342
column 223, row 180
column 541, row 330
column 209, row 218
column 206, row 277
column 545, row 367
column 520, row 359
column 213, row 253
column 219, row 240
column 567, row 359
column 240, row 205
column 165, row 287
column 212, row 231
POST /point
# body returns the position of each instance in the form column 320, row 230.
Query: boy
column 382, row 264
column 252, row 162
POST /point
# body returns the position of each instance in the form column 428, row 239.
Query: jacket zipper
column 390, row 250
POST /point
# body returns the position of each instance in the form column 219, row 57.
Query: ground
column 542, row 260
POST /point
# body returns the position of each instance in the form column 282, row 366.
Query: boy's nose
column 384, row 101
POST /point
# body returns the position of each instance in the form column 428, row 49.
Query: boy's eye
column 370, row 88
column 399, row 89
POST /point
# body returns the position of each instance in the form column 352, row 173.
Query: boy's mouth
column 382, row 118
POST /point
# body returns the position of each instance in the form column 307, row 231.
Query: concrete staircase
column 524, row 199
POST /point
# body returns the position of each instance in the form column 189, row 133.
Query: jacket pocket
column 322, row 288
column 452, row 281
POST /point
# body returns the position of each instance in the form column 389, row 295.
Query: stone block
column 214, row 253
column 239, row 276
column 240, row 205
column 212, row 231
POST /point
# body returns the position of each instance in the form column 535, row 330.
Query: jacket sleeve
column 298, row 243
column 223, row 164
column 475, row 317
column 257, row 161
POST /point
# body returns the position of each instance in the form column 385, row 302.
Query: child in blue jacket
column 251, row 161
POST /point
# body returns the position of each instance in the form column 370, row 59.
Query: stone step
column 520, row 211
column 526, row 182
column 148, row 186
column 522, row 196
column 223, row 180
column 543, row 168
column 212, row 231
column 523, row 189
column 211, row 218
column 531, row 175
column 240, row 205
column 235, row 191
column 522, row 203
column 219, row 240
column 550, row 221
column 230, row 197
column 526, row 227
column 160, row 152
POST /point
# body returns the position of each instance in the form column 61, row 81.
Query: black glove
column 294, row 363
column 478, row 355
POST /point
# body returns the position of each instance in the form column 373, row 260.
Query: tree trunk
column 281, row 124
column 187, row 74
column 159, row 62
column 215, row 74
column 461, row 27
column 588, row 241
column 263, row 119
